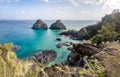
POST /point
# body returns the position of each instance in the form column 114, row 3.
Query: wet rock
column 70, row 48
column 59, row 45
column 15, row 48
column 45, row 56
column 58, row 39
column 66, row 44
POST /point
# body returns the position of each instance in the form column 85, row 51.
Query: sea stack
column 39, row 24
column 58, row 25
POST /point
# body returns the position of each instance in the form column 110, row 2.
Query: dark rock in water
column 59, row 45
column 66, row 44
column 73, row 34
column 39, row 24
column 58, row 39
column 15, row 48
column 45, row 56
column 58, row 25
column 70, row 48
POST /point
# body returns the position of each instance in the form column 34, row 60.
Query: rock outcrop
column 88, row 32
column 87, row 60
column 73, row 34
column 45, row 57
column 58, row 39
column 59, row 45
column 79, row 51
column 39, row 24
column 58, row 25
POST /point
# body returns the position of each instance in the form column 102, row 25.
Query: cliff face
column 58, row 25
column 90, row 31
column 39, row 24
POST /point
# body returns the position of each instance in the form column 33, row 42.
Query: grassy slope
column 11, row 66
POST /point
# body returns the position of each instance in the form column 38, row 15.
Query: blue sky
column 57, row 9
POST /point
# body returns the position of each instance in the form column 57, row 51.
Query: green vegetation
column 110, row 29
column 106, row 33
column 11, row 66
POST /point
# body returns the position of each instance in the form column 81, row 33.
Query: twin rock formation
column 58, row 25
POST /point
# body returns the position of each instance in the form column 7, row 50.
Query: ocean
column 31, row 41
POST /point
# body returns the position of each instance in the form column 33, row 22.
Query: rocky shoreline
column 84, row 60
column 45, row 56
column 88, row 60
column 96, row 62
column 107, row 27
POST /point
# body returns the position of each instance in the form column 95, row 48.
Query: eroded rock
column 58, row 25
column 39, row 24
column 45, row 56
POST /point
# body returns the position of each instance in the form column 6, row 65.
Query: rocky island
column 58, row 25
column 39, row 24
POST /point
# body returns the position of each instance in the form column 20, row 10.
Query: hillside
column 103, row 62
column 11, row 66
column 104, row 30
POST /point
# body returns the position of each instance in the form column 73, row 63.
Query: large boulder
column 58, row 25
column 39, row 24
column 45, row 57
column 79, row 51
column 85, row 49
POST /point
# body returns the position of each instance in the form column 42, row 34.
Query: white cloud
column 46, row 1
column 74, row 2
column 93, row 1
column 23, row 12
column 77, row 2
column 111, row 4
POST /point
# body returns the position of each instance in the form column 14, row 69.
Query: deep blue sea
column 32, row 41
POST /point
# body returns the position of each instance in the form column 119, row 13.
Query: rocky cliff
column 104, row 62
column 92, row 30
column 39, row 24
column 58, row 25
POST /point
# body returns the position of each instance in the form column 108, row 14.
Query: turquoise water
column 32, row 41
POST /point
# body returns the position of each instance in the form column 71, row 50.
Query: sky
column 56, row 9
